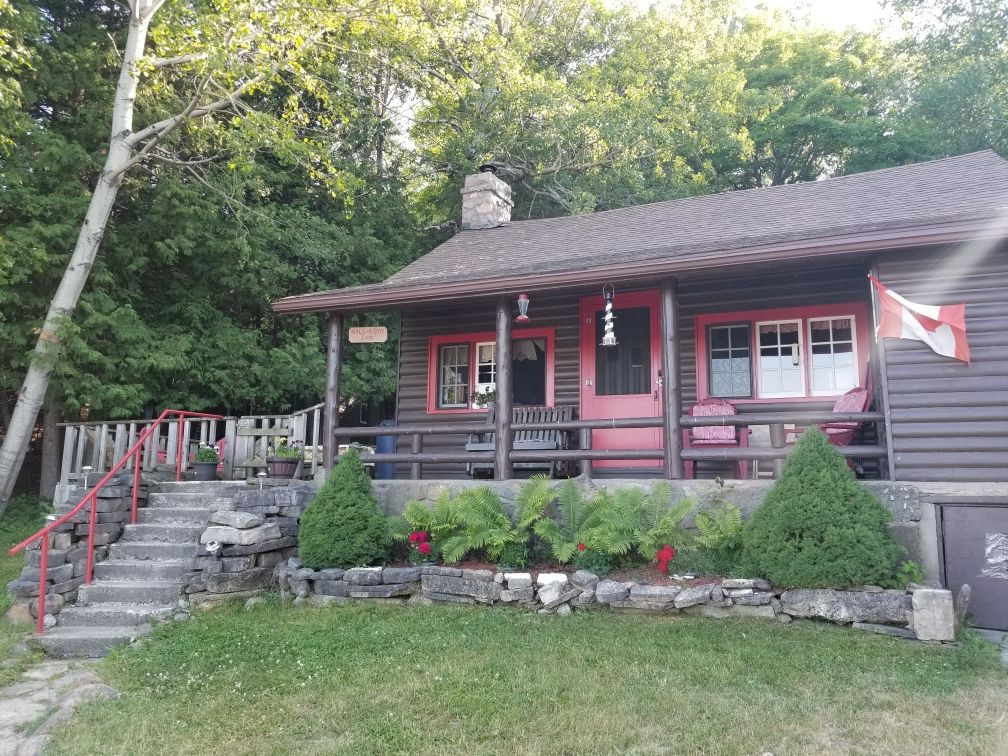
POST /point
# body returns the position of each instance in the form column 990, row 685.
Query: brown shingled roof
column 937, row 201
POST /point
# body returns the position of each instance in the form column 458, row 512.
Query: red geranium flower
column 663, row 557
column 414, row 537
column 422, row 536
column 581, row 547
column 424, row 548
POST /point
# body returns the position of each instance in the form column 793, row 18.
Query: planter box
column 279, row 467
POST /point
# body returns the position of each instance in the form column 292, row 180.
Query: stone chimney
column 486, row 200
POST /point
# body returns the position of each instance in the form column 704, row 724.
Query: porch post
column 671, row 391
column 503, row 469
column 334, row 358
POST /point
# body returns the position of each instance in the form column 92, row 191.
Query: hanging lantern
column 523, row 303
column 608, row 334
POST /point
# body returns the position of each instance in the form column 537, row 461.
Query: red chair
column 841, row 433
column 715, row 436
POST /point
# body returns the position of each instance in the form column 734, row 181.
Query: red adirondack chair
column 842, row 433
column 715, row 436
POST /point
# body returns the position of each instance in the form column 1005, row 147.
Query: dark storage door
column 975, row 545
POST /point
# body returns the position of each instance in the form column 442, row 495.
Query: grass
column 22, row 517
column 394, row 679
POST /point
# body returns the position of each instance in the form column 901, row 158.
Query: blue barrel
column 385, row 445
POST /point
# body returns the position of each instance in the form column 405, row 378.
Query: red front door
column 622, row 380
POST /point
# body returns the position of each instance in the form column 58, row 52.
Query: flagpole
column 883, row 371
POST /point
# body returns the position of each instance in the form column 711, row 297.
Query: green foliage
column 655, row 522
column 207, row 454
column 343, row 526
column 720, row 526
column 591, row 522
column 818, row 526
column 284, row 450
column 483, row 526
column 439, row 522
column 909, row 572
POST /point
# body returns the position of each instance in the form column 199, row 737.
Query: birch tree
column 217, row 81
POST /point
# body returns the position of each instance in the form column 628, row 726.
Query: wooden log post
column 334, row 359
column 503, row 437
column 883, row 373
column 671, row 390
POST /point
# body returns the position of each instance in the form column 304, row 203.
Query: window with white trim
column 453, row 376
column 780, row 365
column 730, row 361
column 833, row 365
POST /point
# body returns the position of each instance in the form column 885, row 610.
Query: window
column 625, row 368
column 833, row 355
column 785, row 354
column 465, row 366
column 730, row 372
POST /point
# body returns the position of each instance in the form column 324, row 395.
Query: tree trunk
column 75, row 276
column 50, row 446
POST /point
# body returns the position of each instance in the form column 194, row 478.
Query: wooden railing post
column 334, row 358
column 585, row 443
column 503, row 468
column 671, row 392
column 416, row 447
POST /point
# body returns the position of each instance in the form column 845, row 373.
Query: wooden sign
column 368, row 334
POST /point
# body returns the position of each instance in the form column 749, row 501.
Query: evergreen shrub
column 818, row 527
column 343, row 525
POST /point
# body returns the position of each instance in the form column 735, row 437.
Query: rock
column 19, row 614
column 784, row 619
column 274, row 544
column 230, row 582
column 181, row 617
column 737, row 592
column 320, row 600
column 23, row 588
column 518, row 594
column 450, row 598
column 418, row 599
column 330, row 573
column 305, row 573
column 659, row 597
column 933, row 614
column 485, row 575
column 48, row 621
column 268, row 559
column 484, row 591
column 564, row 610
column 735, row 583
column 555, row 594
column 253, row 602
column 756, row 598
column 53, row 604
column 436, row 569
column 911, row 587
column 896, row 632
column 300, row 588
column 332, row 588
column 869, row 588
column 586, row 598
column 294, row 563
column 545, row 578
column 299, row 601
column 585, row 580
column 238, row 564
column 961, row 607
column 717, row 612
column 240, row 520
column 400, row 575
column 363, row 576
column 498, row 577
column 611, row 592
column 886, row 608
column 697, row 594
column 517, row 580
column 379, row 591
column 234, row 536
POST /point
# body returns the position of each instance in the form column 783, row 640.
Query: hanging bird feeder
column 608, row 334
column 523, row 303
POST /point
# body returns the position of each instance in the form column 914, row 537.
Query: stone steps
column 189, row 500
column 88, row 642
column 166, row 533
column 153, row 550
column 144, row 569
column 174, row 515
column 130, row 591
column 114, row 614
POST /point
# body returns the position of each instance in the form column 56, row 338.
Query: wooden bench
column 525, row 440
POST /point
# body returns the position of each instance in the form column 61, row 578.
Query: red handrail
column 91, row 496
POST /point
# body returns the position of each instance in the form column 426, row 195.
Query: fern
column 438, row 521
column 720, row 529
column 532, row 500
column 483, row 526
column 658, row 524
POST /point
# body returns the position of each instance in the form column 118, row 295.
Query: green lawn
column 23, row 516
column 395, row 679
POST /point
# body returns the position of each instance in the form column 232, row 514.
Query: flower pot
column 281, row 467
column 205, row 470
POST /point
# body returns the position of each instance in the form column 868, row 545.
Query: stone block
column 560, row 599
column 517, row 580
column 611, row 592
column 545, row 578
column 392, row 575
column 933, row 614
column 437, row 569
column 56, row 557
column 55, row 574
column 331, row 573
column 585, row 580
column 518, row 594
column 885, row 608
column 239, row 564
column 79, row 568
column 735, row 583
column 233, row 582
column 450, row 598
column 236, row 519
column 304, row 573
column 228, row 535
column 756, row 598
column 697, row 594
column 896, row 632
column 659, row 597
column 586, row 598
column 484, row 591
column 484, row 575
column 300, row 588
column 379, row 591
column 269, row 559
column 67, row 585
column 363, row 576
column 332, row 588
column 257, row 548
column 962, row 600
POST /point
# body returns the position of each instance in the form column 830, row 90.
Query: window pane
column 729, row 364
column 822, row 379
column 624, row 368
column 453, row 373
column 719, row 338
column 528, row 371
column 833, row 363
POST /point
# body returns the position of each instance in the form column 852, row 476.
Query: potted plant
column 205, row 464
column 283, row 458
column 483, row 397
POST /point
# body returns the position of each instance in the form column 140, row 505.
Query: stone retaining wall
column 917, row 613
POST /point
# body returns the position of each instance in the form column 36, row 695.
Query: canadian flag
column 941, row 328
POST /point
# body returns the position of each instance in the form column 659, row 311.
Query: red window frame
column 473, row 338
column 863, row 340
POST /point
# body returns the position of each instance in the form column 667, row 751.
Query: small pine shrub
column 343, row 526
column 819, row 527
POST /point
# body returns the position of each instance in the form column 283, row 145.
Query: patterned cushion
column 713, row 434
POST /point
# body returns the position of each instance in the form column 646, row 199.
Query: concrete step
column 203, row 487
column 144, row 569
column 167, row 533
column 211, row 502
column 114, row 615
column 87, row 642
column 130, row 591
column 153, row 550
column 177, row 515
